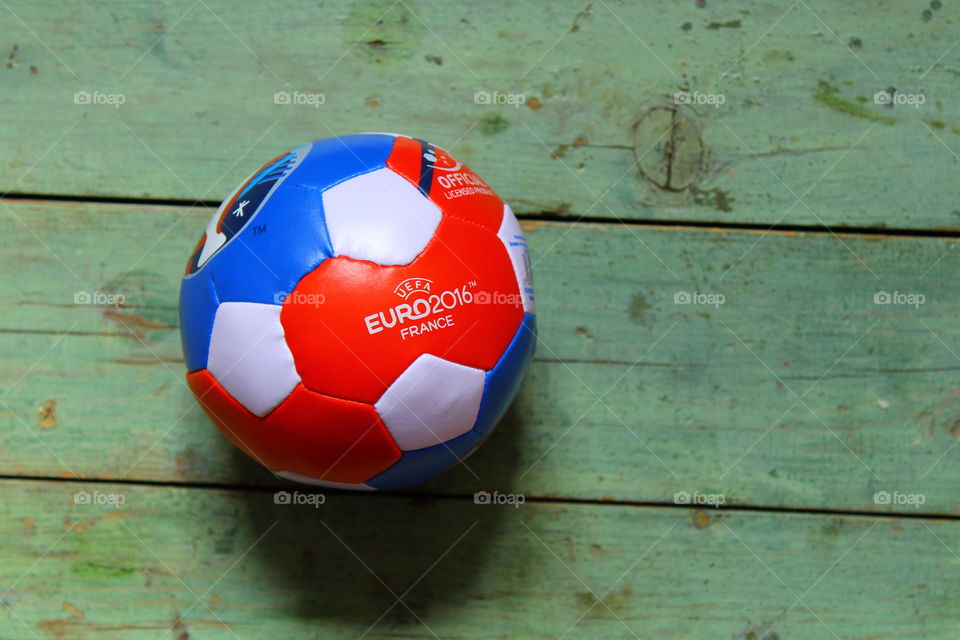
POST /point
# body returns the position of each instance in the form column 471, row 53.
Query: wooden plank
column 183, row 563
column 797, row 83
column 693, row 397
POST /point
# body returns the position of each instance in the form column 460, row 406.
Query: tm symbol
column 472, row 283
column 259, row 229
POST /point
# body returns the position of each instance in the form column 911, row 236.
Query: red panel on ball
column 452, row 185
column 309, row 433
column 458, row 300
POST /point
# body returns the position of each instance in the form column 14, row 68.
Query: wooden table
column 743, row 417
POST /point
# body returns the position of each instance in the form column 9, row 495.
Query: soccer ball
column 359, row 312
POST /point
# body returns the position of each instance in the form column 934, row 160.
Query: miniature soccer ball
column 359, row 312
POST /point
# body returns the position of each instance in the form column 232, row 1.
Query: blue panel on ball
column 286, row 241
column 420, row 465
column 288, row 237
column 504, row 379
column 271, row 233
column 198, row 307
column 335, row 160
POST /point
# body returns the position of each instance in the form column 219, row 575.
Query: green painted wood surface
column 691, row 397
column 798, row 119
column 187, row 563
column 797, row 393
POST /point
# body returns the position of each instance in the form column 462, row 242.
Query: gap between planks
column 555, row 216
column 253, row 488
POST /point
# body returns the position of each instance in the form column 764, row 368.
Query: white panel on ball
column 512, row 237
column 431, row 402
column 299, row 477
column 249, row 355
column 380, row 217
